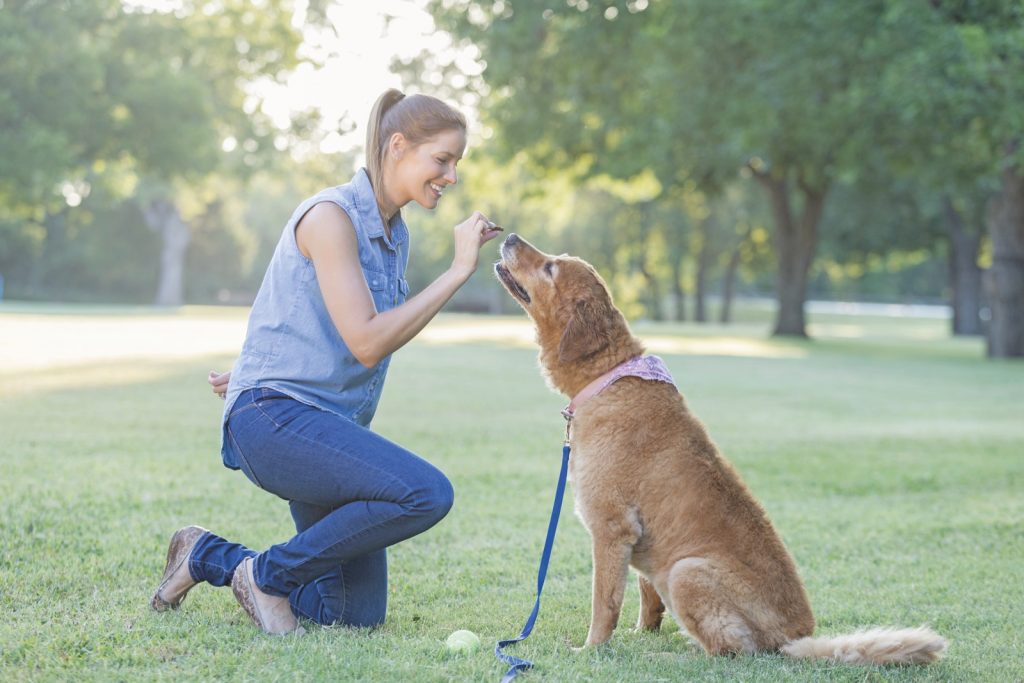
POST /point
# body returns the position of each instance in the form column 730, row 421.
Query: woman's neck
column 387, row 211
column 386, row 203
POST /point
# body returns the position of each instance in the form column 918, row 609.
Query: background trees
column 140, row 108
column 805, row 97
column 691, row 150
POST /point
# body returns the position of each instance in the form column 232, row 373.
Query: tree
column 695, row 92
column 959, row 84
column 994, row 35
column 140, row 102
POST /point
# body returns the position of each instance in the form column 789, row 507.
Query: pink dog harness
column 644, row 367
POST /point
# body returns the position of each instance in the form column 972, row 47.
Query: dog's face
column 566, row 298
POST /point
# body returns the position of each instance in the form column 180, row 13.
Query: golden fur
column 655, row 493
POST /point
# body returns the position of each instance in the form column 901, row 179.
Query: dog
column 654, row 492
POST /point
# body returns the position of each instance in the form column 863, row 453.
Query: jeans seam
column 344, row 596
column 239, row 411
column 241, row 455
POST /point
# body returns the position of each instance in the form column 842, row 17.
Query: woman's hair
column 417, row 117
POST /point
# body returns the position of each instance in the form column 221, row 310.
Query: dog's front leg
column 611, row 565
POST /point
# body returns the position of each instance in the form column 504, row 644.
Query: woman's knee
column 366, row 614
column 370, row 616
column 434, row 497
column 355, row 596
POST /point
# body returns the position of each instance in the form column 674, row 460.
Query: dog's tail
column 872, row 646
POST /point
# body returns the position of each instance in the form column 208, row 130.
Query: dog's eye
column 547, row 267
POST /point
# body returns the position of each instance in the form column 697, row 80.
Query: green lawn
column 890, row 457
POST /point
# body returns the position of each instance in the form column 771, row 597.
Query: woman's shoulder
column 354, row 198
column 327, row 211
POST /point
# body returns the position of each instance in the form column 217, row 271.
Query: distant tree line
column 691, row 150
column 873, row 130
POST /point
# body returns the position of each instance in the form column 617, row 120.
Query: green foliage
column 807, row 95
column 102, row 104
column 625, row 132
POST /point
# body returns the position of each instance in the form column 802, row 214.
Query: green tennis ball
column 463, row 641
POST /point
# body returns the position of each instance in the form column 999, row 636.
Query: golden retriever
column 654, row 492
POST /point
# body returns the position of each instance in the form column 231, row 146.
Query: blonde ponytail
column 376, row 141
column 417, row 117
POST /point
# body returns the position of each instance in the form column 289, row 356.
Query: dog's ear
column 587, row 331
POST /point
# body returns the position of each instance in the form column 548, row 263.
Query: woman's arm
column 325, row 235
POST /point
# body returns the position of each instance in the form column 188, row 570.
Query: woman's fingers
column 488, row 228
column 470, row 235
column 219, row 382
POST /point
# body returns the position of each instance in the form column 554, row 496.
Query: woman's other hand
column 219, row 382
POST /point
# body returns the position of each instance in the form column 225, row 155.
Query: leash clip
column 567, row 414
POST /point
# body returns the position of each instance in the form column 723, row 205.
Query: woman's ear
column 397, row 145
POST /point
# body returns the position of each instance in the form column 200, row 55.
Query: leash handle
column 518, row 664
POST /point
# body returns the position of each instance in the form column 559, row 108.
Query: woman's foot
column 271, row 613
column 177, row 579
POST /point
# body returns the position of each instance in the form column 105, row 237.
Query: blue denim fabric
column 352, row 494
column 291, row 344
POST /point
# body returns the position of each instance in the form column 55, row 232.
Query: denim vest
column 291, row 344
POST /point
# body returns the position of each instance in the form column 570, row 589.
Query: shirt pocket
column 375, row 280
column 378, row 284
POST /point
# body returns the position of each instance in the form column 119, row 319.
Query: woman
column 330, row 312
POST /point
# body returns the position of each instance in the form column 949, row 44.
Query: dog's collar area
column 645, row 367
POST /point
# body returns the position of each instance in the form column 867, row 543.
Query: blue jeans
column 352, row 493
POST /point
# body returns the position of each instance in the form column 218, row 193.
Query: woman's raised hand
column 470, row 235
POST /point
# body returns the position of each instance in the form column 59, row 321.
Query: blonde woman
column 299, row 400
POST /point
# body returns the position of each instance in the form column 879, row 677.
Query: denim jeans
column 352, row 493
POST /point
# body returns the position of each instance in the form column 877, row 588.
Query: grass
column 890, row 457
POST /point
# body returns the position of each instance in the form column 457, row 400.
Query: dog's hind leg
column 701, row 600
column 651, row 606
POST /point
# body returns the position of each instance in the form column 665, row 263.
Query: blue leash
column 517, row 663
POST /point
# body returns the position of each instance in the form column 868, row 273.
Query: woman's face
column 422, row 172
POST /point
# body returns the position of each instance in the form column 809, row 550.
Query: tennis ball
column 463, row 641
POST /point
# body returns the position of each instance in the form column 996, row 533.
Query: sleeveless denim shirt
column 291, row 344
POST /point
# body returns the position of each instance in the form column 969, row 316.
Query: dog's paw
column 646, row 628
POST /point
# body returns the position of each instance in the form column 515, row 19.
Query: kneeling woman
column 330, row 312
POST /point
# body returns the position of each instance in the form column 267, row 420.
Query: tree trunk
column 52, row 257
column 703, row 265
column 163, row 217
column 678, row 295
column 729, row 278
column 796, row 239
column 964, row 273
column 654, row 294
column 1004, row 281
